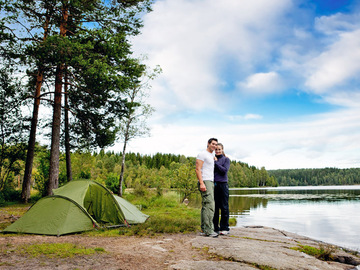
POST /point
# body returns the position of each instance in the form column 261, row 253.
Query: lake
column 326, row 213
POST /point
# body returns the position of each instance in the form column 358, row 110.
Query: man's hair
column 212, row 139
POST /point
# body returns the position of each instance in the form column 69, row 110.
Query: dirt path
column 123, row 252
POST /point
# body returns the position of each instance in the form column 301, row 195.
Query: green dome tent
column 78, row 206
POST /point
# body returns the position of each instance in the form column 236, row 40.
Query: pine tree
column 90, row 39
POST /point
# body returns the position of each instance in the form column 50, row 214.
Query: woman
column 221, row 191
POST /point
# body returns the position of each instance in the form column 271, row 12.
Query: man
column 205, row 174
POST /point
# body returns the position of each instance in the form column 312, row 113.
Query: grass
column 61, row 250
column 263, row 267
column 11, row 212
column 324, row 252
column 232, row 221
column 167, row 215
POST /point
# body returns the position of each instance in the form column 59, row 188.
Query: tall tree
column 133, row 124
column 98, row 57
column 56, row 122
column 29, row 23
column 90, row 37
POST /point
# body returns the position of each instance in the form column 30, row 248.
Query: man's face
column 212, row 145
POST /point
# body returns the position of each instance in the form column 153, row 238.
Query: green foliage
column 140, row 189
column 263, row 267
column 83, row 46
column 62, row 250
column 167, row 215
column 12, row 128
column 165, row 222
column 184, row 179
column 85, row 175
column 9, row 194
column 42, row 173
column 142, row 173
column 242, row 175
column 316, row 177
column 112, row 182
column 232, row 222
column 2, row 199
column 10, row 212
column 323, row 252
column 83, row 165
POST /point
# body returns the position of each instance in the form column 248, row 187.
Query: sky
column 277, row 82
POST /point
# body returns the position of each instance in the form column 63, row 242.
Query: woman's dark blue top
column 222, row 165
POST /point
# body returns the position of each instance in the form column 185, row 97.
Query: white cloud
column 193, row 40
column 249, row 116
column 262, row 83
column 337, row 23
column 328, row 140
column 265, row 47
column 335, row 66
column 346, row 99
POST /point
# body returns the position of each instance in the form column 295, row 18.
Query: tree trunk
column 126, row 139
column 25, row 193
column 67, row 135
column 55, row 133
column 122, row 170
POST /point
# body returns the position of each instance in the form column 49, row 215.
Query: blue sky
column 277, row 82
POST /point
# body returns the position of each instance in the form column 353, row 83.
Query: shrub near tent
column 78, row 206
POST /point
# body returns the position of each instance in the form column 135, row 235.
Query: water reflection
column 329, row 214
column 241, row 205
column 243, row 199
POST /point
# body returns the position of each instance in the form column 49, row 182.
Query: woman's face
column 218, row 150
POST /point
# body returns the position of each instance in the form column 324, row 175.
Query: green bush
column 2, row 199
column 9, row 194
column 85, row 175
column 140, row 189
column 112, row 182
column 40, row 185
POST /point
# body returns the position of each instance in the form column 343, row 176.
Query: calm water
column 328, row 213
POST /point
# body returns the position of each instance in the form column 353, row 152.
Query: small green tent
column 78, row 206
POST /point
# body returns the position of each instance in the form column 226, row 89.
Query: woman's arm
column 223, row 168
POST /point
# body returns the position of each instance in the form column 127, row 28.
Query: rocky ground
column 245, row 248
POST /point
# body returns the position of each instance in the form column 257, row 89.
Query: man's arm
column 199, row 164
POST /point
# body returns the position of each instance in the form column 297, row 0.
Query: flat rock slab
column 260, row 247
column 211, row 265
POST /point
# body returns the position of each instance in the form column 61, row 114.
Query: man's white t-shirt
column 207, row 170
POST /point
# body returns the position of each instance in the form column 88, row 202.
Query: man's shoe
column 214, row 234
column 224, row 232
column 202, row 234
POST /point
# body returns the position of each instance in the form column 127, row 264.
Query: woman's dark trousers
column 221, row 194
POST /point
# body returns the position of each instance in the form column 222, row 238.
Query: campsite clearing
column 246, row 248
column 123, row 252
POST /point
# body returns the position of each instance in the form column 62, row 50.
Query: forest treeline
column 159, row 171
column 316, row 177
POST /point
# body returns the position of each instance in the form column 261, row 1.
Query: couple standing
column 213, row 185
